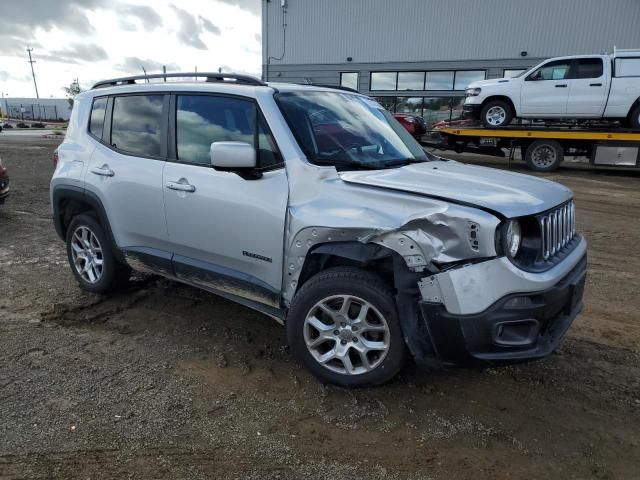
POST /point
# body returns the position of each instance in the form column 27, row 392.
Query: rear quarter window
column 96, row 121
column 627, row 67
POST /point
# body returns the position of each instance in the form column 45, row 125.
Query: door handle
column 181, row 187
column 103, row 171
column 562, row 85
column 595, row 84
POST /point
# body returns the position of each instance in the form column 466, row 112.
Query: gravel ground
column 165, row 381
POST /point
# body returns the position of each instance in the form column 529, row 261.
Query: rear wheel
column 544, row 155
column 343, row 327
column 496, row 113
column 634, row 118
column 91, row 256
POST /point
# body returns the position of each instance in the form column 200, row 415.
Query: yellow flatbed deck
column 535, row 133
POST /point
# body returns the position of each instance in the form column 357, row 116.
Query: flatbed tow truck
column 544, row 147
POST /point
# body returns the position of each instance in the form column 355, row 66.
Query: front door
column 545, row 91
column 226, row 230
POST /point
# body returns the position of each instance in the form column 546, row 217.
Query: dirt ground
column 165, row 381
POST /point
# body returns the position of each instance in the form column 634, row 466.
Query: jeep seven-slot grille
column 558, row 228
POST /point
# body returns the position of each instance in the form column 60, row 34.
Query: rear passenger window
column 590, row 68
column 136, row 124
column 202, row 120
column 96, row 122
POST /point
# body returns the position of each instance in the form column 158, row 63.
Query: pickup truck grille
column 558, row 228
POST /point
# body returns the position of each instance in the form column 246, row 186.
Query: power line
column 31, row 61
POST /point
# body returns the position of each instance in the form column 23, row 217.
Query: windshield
column 348, row 131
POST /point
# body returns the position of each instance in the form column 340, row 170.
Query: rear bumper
column 517, row 327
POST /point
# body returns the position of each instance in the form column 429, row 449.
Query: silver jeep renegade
column 315, row 207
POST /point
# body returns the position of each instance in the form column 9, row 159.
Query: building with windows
column 419, row 55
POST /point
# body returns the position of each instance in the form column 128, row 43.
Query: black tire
column 113, row 274
column 361, row 285
column 496, row 121
column 634, row 118
column 544, row 155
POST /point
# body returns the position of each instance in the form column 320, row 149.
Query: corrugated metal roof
column 329, row 31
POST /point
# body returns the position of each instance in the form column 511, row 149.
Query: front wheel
column 544, row 155
column 343, row 326
column 495, row 114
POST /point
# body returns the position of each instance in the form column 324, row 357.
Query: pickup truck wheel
column 496, row 113
column 343, row 326
column 544, row 155
column 91, row 256
column 634, row 119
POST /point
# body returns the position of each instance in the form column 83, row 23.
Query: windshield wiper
column 348, row 163
column 404, row 161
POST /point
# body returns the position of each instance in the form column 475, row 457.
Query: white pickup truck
column 575, row 87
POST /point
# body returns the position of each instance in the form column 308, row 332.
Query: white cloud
column 119, row 35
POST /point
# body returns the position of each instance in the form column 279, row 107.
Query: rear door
column 587, row 88
column 125, row 172
column 226, row 228
column 546, row 90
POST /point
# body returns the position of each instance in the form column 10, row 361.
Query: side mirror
column 232, row 155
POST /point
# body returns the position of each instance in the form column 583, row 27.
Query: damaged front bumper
column 499, row 313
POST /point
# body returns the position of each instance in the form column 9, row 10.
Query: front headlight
column 514, row 237
column 473, row 92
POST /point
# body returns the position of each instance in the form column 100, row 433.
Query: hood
column 488, row 83
column 509, row 194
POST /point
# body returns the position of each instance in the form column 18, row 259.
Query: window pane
column 627, row 67
column 464, row 78
column 96, row 123
column 268, row 154
column 590, row 68
column 202, row 120
column 439, row 81
column 552, row 71
column 435, row 109
column 409, row 105
column 135, row 127
column 410, row 80
column 349, row 79
column 513, row 73
column 456, row 104
column 383, row 80
column 388, row 103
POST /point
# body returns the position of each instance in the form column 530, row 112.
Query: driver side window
column 558, row 70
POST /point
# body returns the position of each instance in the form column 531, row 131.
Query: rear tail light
column 54, row 159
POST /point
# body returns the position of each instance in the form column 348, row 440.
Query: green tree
column 72, row 90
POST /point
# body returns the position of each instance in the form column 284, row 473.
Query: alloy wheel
column 86, row 253
column 346, row 334
column 496, row 116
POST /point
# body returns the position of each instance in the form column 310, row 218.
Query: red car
column 414, row 124
column 4, row 183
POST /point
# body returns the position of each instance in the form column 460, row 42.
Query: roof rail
column 211, row 77
column 335, row 87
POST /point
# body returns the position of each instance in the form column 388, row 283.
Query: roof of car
column 215, row 82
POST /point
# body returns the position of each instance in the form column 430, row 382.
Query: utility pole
column 32, row 61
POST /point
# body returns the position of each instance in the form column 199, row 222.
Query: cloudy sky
column 96, row 39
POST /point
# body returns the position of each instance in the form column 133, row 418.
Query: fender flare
column 70, row 192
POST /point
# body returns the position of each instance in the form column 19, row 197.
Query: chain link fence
column 35, row 111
